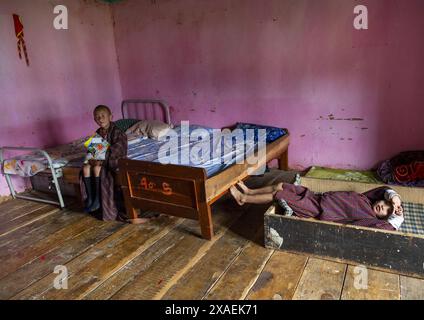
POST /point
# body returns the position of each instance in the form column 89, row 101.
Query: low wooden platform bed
column 401, row 251
column 178, row 190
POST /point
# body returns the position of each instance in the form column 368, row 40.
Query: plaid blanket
column 414, row 218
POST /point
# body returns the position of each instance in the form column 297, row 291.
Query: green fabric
column 125, row 124
column 342, row 174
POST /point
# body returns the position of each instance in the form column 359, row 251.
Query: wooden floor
column 167, row 259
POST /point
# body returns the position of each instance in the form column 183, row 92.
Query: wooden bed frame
column 180, row 190
column 186, row 191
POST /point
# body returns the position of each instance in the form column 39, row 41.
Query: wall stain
column 354, row 119
column 332, row 117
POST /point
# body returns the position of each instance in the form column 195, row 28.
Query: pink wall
column 71, row 71
column 350, row 98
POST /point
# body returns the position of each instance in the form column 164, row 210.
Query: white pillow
column 153, row 129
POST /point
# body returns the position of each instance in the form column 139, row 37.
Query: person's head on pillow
column 383, row 209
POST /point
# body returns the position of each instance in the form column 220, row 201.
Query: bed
column 189, row 191
column 181, row 190
column 401, row 251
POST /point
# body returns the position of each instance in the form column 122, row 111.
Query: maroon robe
column 344, row 207
column 110, row 194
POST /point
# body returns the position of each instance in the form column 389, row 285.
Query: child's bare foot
column 278, row 187
column 138, row 220
column 243, row 187
column 238, row 196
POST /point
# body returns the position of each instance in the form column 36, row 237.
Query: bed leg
column 131, row 211
column 205, row 220
column 283, row 161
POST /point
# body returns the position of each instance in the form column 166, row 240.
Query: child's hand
column 397, row 205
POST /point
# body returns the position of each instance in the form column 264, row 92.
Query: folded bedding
column 272, row 133
column 207, row 151
column 404, row 169
column 343, row 174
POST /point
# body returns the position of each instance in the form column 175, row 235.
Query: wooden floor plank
column 11, row 205
column 364, row 284
column 167, row 259
column 196, row 283
column 236, row 282
column 137, row 266
column 12, row 225
column 411, row 288
column 31, row 207
column 15, row 257
column 90, row 269
column 183, row 247
column 279, row 278
column 4, row 199
column 38, row 230
column 321, row 280
column 17, row 212
column 42, row 266
column 200, row 279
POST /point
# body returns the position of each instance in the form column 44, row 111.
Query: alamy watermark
column 61, row 20
column 212, row 147
column 360, row 21
column 360, row 280
column 61, row 280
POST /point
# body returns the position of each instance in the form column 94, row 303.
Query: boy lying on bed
column 378, row 208
column 105, row 194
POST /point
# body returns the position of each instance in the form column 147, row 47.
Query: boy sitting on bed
column 378, row 208
column 104, row 195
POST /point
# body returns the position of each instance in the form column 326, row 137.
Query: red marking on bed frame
column 151, row 186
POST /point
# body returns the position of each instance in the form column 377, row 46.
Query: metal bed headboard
column 144, row 103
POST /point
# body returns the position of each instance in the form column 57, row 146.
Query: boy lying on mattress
column 378, row 208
